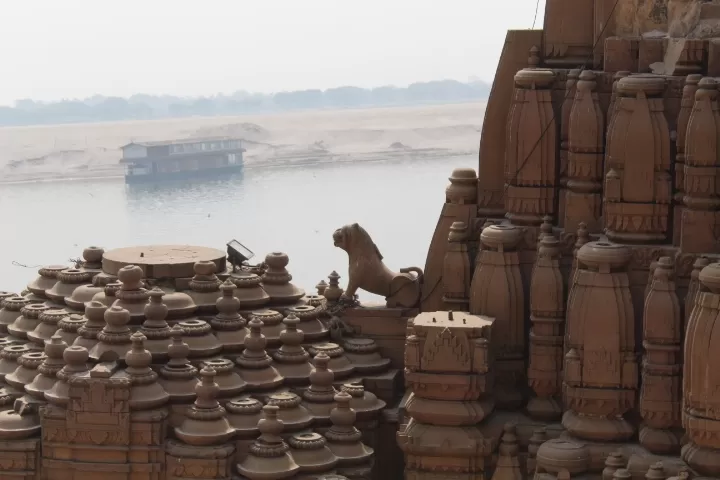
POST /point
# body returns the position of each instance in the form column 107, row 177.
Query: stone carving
column 660, row 395
column 497, row 292
column 530, row 168
column 601, row 371
column 702, row 196
column 547, row 307
column 367, row 271
column 583, row 201
column 448, row 371
column 701, row 378
column 637, row 163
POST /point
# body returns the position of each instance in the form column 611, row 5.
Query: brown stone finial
column 656, row 472
column 319, row 397
column 132, row 295
column 538, row 437
column 255, row 363
column 178, row 377
column 546, row 228
column 75, row 364
column 321, row 286
column 662, row 336
column 344, row 440
column 49, row 368
column 178, row 350
column 145, row 392
column 269, row 455
column 534, row 57
column 206, row 423
column 130, row 277
column 622, row 474
column 508, row 464
column 292, row 360
column 228, row 305
column 613, row 462
column 463, row 187
column 333, row 292
column 92, row 257
column 95, row 315
column 228, row 324
column 155, row 327
column 115, row 336
column 547, row 318
column 271, row 325
column 276, row 280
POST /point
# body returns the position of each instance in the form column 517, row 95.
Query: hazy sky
column 54, row 49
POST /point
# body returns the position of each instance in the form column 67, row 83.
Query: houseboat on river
column 188, row 158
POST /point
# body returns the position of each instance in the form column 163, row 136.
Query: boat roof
column 159, row 143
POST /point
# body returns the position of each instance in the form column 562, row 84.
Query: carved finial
column 458, row 232
column 534, row 57
column 583, row 236
column 622, row 474
column 178, row 350
column 509, row 441
column 207, row 390
column 270, row 426
column 291, row 336
column 321, row 286
column 342, row 416
column 546, row 228
column 321, row 380
column 656, row 472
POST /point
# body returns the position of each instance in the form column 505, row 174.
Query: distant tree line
column 139, row 107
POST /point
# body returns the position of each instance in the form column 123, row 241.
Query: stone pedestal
column 447, row 368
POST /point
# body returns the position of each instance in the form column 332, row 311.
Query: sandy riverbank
column 76, row 151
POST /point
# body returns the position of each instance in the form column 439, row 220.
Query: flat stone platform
column 162, row 261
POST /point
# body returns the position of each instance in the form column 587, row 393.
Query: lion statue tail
column 416, row 270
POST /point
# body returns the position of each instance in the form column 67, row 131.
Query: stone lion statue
column 367, row 271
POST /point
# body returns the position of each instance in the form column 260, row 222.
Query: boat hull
column 184, row 174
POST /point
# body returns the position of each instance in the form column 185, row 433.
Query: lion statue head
column 355, row 239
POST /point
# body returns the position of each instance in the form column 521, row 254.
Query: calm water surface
column 294, row 210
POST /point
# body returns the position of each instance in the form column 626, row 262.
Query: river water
column 290, row 209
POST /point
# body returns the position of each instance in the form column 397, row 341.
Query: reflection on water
column 294, row 210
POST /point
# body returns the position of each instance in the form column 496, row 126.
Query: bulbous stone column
column 701, row 379
column 702, row 194
column 601, row 371
column 530, row 167
column 661, row 392
column 547, row 316
column 497, row 292
column 637, row 164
